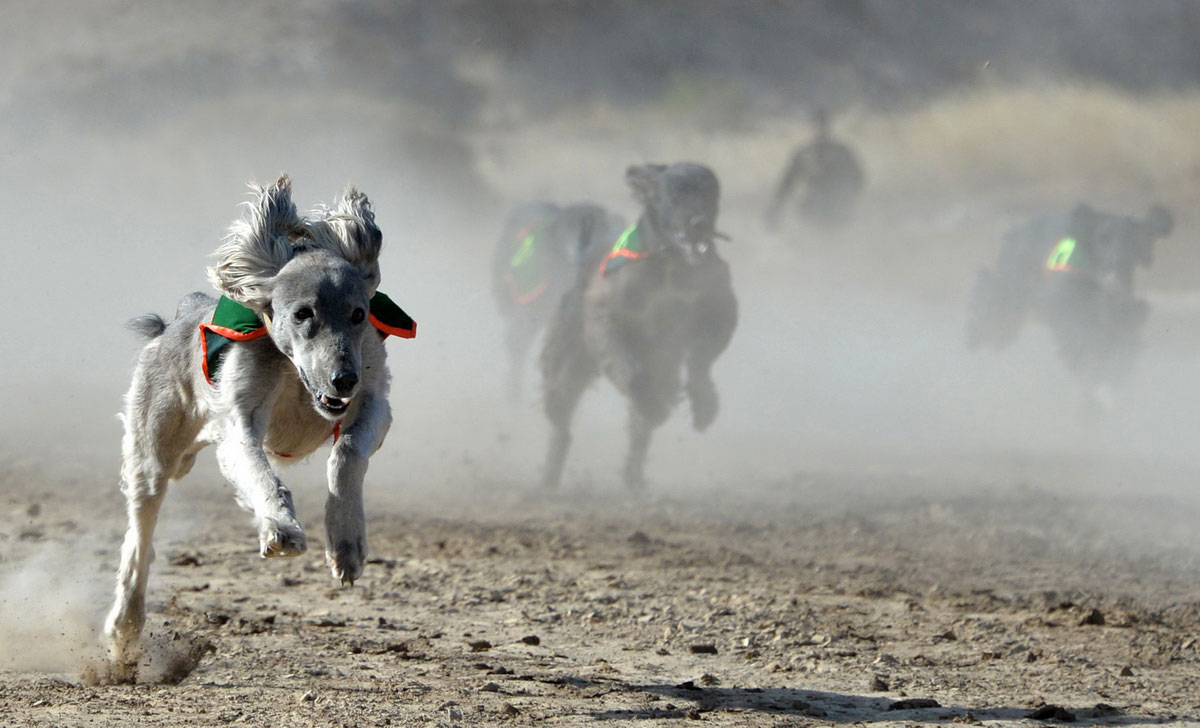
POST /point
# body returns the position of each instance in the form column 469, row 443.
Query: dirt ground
column 881, row 527
column 817, row 600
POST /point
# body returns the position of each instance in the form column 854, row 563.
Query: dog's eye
column 303, row 313
column 358, row 316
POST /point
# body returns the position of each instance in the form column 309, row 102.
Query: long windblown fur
column 349, row 230
column 258, row 245
column 318, row 376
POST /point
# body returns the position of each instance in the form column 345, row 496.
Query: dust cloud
column 128, row 132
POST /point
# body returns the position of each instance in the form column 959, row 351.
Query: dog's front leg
column 244, row 463
column 345, row 521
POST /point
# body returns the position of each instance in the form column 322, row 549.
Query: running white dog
column 290, row 357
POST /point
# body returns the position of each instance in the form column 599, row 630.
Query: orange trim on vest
column 228, row 334
column 620, row 253
column 234, row 334
column 528, row 297
column 394, row 330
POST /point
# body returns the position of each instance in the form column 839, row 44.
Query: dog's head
column 1125, row 241
column 680, row 203
column 312, row 281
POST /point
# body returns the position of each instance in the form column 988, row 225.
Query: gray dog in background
column 535, row 262
column 653, row 304
column 287, row 360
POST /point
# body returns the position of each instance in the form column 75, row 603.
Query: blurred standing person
column 828, row 176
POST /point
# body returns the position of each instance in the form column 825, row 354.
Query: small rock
column 34, row 510
column 687, row 685
column 490, row 688
column 509, row 710
column 707, row 679
column 878, row 684
column 693, row 714
column 948, row 635
column 532, row 639
column 308, row 697
column 639, row 539
column 479, row 645
column 1094, row 617
column 1052, row 712
column 914, row 704
column 703, row 649
column 184, row 560
column 500, row 670
column 1127, row 671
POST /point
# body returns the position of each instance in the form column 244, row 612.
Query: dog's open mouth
column 332, row 405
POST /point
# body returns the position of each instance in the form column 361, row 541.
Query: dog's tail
column 148, row 327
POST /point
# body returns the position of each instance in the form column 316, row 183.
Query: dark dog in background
column 534, row 263
column 652, row 305
column 1075, row 272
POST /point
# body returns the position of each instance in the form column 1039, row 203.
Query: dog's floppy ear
column 352, row 221
column 644, row 179
column 257, row 246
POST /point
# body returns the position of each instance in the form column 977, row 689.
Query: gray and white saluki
column 317, row 372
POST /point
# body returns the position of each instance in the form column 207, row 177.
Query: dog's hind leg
column 561, row 398
column 144, row 493
column 153, row 452
column 566, row 373
column 521, row 334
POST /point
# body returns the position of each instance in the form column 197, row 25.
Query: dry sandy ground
column 817, row 600
column 980, row 589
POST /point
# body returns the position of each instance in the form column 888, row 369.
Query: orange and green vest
column 628, row 247
column 1059, row 260
column 232, row 321
column 527, row 273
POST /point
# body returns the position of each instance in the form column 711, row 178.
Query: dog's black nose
column 344, row 381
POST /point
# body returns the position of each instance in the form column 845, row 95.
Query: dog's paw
column 703, row 396
column 277, row 537
column 345, row 559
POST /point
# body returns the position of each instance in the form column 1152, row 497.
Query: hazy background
column 128, row 130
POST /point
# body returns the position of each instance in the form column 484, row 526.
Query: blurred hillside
column 124, row 63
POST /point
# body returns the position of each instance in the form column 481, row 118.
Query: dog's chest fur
column 295, row 429
column 655, row 300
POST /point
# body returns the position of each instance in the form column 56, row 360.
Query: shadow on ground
column 688, row 700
